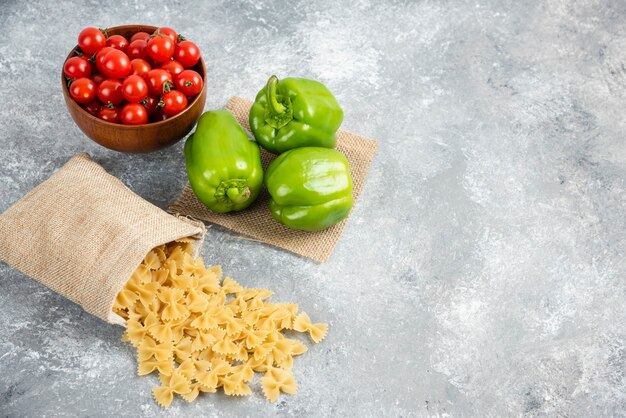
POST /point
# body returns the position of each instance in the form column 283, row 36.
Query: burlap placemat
column 256, row 221
column 82, row 233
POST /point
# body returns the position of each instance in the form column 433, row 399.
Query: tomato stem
column 104, row 32
column 69, row 81
column 161, row 103
column 188, row 83
column 167, row 86
column 181, row 38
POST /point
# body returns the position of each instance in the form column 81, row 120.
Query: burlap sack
column 82, row 233
column 257, row 222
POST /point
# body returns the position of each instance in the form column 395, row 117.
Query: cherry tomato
column 134, row 114
column 138, row 49
column 189, row 83
column 110, row 113
column 151, row 104
column 139, row 67
column 187, row 53
column 118, row 42
column 134, row 89
column 110, row 91
column 174, row 102
column 77, row 67
column 160, row 48
column 159, row 116
column 83, row 90
column 100, row 56
column 116, row 64
column 159, row 81
column 98, row 78
column 91, row 40
column 173, row 67
column 140, row 35
column 169, row 32
column 93, row 107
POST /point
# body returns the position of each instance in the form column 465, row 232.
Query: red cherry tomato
column 83, row 90
column 189, row 83
column 151, row 104
column 138, row 49
column 187, row 53
column 98, row 78
column 110, row 113
column 159, row 116
column 159, row 81
column 140, row 35
column 134, row 114
column 134, row 89
column 160, row 48
column 118, row 42
column 99, row 58
column 174, row 102
column 77, row 67
column 91, row 40
column 116, row 64
column 173, row 67
column 110, row 91
column 139, row 67
column 93, row 107
column 169, row 32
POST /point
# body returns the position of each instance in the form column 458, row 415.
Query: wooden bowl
column 137, row 138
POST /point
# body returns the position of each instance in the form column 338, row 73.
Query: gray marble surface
column 482, row 271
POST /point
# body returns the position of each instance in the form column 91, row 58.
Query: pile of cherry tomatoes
column 133, row 81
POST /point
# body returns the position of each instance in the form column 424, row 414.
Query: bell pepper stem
column 279, row 110
column 270, row 92
column 238, row 195
column 233, row 191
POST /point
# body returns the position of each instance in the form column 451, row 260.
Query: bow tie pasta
column 201, row 335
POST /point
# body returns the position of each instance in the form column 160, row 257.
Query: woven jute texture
column 256, row 221
column 82, row 233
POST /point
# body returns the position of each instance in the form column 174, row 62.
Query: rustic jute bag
column 257, row 222
column 82, row 233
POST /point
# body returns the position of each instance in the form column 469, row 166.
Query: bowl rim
column 75, row 104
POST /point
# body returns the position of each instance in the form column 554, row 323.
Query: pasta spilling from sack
column 201, row 335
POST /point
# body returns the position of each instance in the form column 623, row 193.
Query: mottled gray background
column 481, row 273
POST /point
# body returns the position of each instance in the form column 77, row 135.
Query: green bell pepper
column 295, row 112
column 310, row 188
column 223, row 165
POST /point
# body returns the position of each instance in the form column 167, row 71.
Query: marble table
column 482, row 272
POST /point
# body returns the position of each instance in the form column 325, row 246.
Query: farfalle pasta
column 302, row 323
column 278, row 380
column 200, row 335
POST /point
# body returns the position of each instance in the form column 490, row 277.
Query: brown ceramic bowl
column 137, row 138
